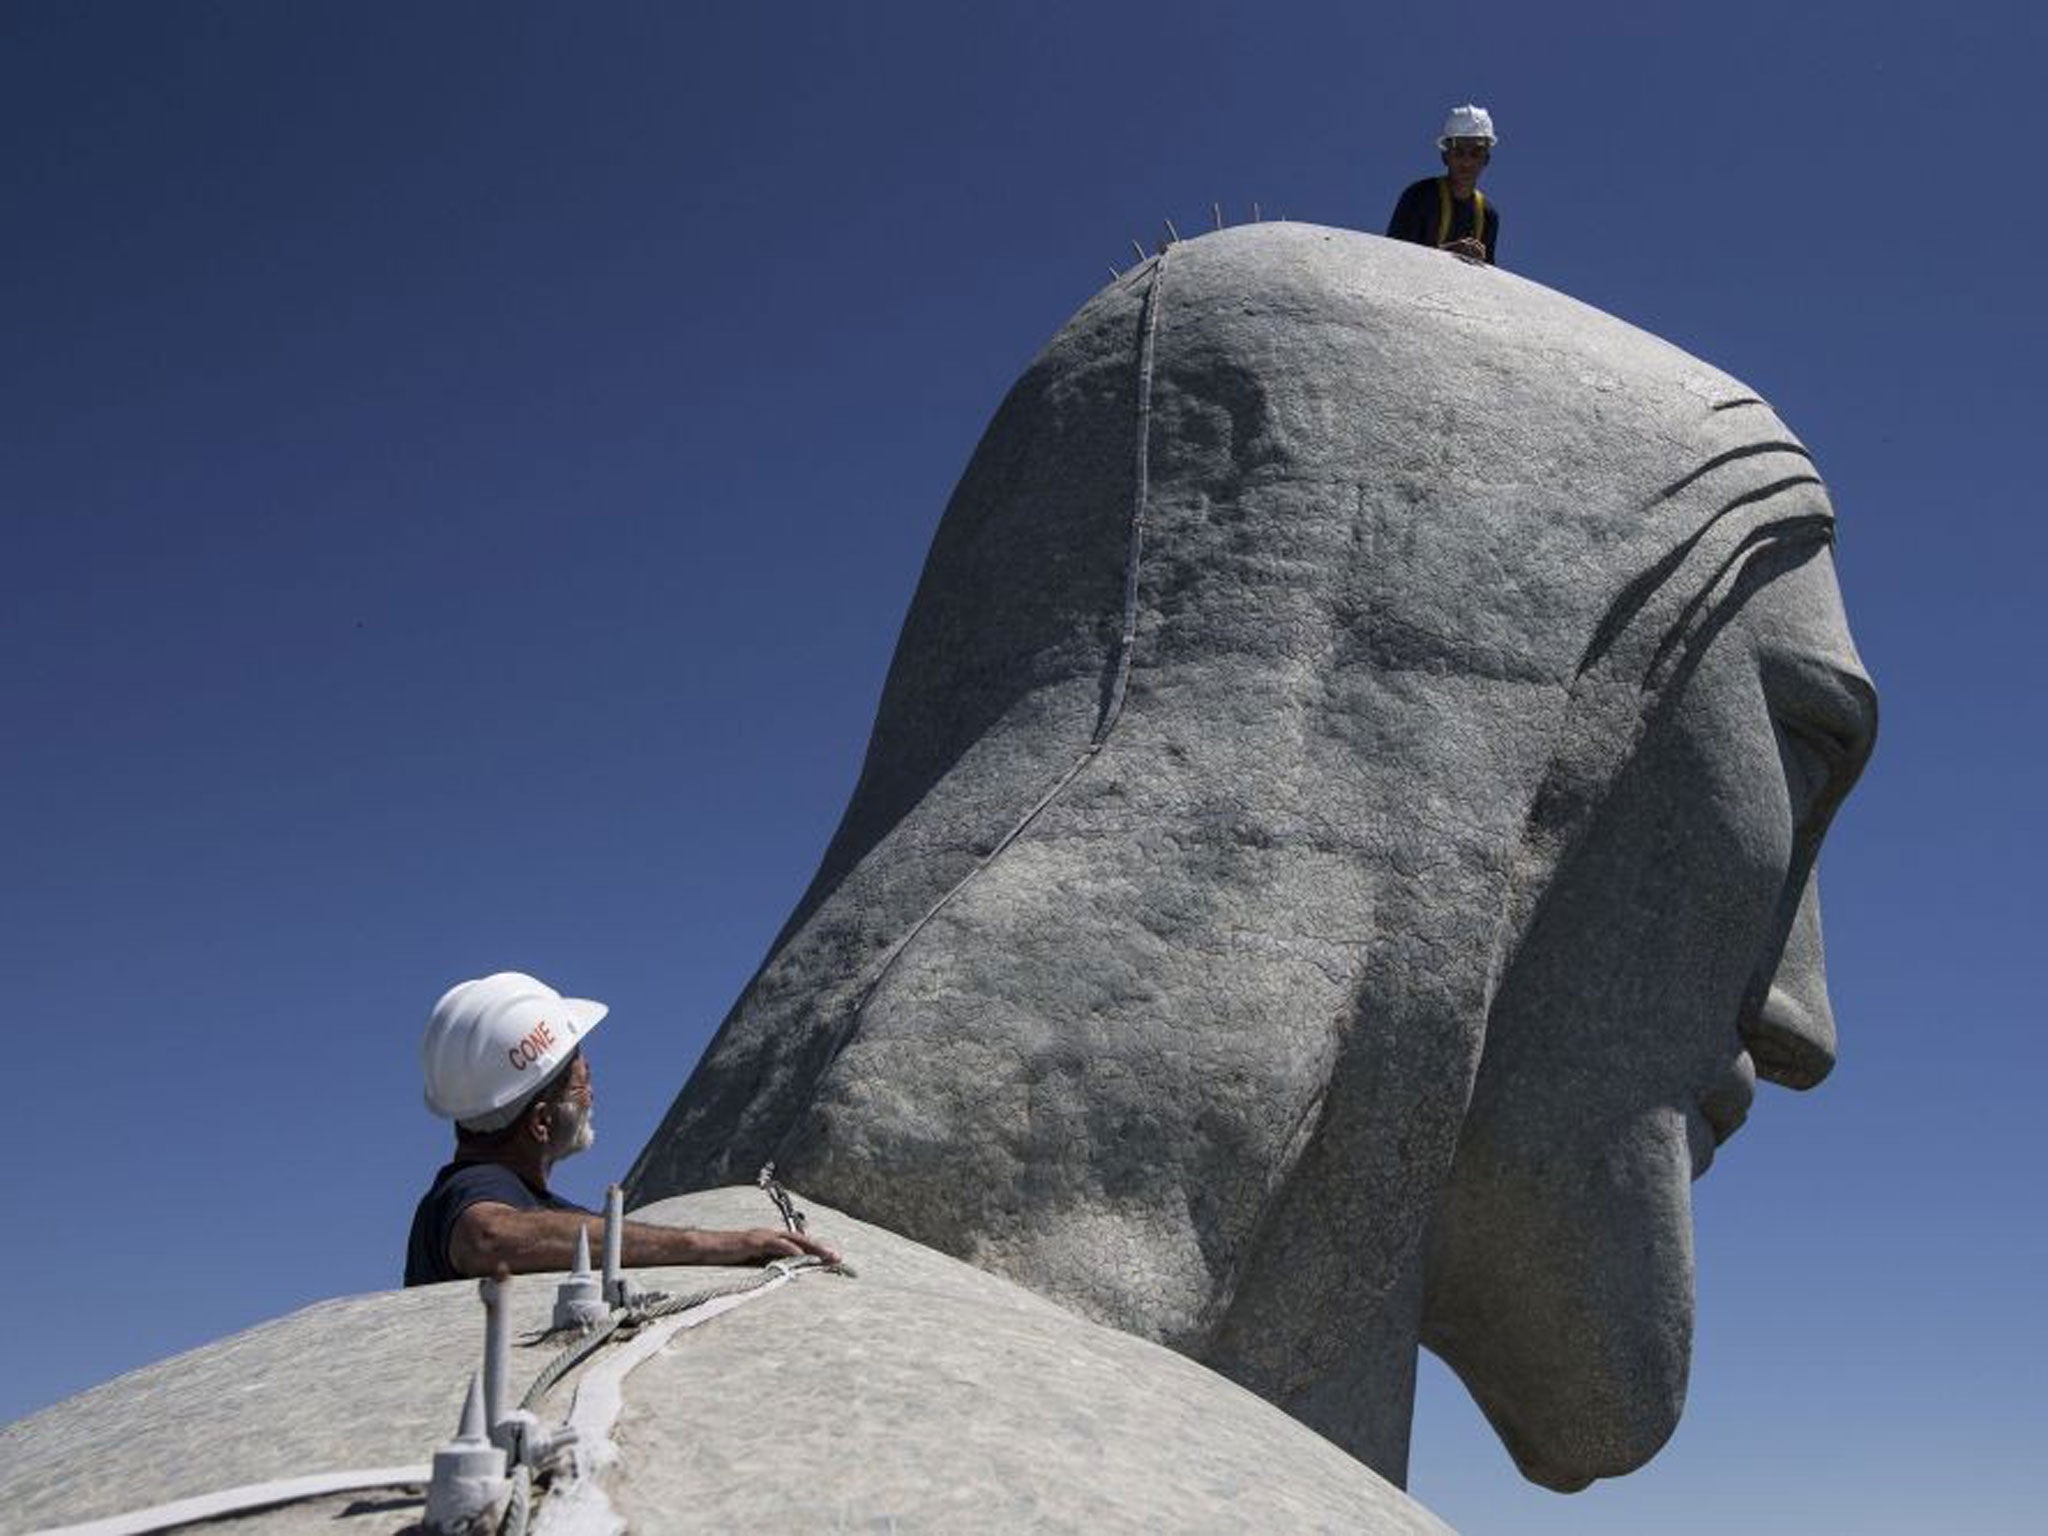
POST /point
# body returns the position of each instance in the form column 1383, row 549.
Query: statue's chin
column 1567, row 1454
column 1562, row 1297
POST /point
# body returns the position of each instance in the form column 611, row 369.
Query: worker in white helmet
column 504, row 1060
column 1449, row 211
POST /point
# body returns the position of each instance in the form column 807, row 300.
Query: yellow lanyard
column 1443, row 212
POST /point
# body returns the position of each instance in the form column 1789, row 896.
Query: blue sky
column 464, row 467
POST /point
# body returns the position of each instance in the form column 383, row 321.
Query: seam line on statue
column 1112, row 708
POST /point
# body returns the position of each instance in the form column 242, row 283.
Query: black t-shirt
column 455, row 1189
column 1418, row 215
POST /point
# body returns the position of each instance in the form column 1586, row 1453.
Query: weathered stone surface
column 923, row 1396
column 360, row 1381
column 1357, row 752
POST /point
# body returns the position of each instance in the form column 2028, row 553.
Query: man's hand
column 761, row 1244
column 1471, row 248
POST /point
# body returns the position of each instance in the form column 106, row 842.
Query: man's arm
column 489, row 1233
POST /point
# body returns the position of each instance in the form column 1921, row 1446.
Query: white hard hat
column 1467, row 122
column 493, row 1042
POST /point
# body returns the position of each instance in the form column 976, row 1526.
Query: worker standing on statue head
column 504, row 1060
column 1449, row 211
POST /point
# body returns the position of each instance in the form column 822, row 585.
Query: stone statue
column 1335, row 856
column 1336, row 848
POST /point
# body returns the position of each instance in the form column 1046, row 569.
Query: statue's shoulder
column 921, row 1392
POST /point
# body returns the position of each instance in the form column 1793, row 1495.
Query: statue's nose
column 1791, row 1035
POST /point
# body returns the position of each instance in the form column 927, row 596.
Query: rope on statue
column 792, row 1219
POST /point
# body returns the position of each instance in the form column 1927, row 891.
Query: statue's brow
column 1630, row 600
column 1746, row 451
column 1818, row 527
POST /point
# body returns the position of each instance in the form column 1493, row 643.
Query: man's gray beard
column 577, row 1127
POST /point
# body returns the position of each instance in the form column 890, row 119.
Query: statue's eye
column 1816, row 771
column 1827, row 721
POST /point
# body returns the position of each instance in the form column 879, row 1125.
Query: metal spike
column 1257, row 217
column 497, row 1344
column 1114, row 275
column 1217, row 209
column 473, row 1425
column 614, row 1241
column 1139, row 249
column 467, row 1489
column 1172, row 234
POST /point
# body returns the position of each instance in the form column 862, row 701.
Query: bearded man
column 504, row 1060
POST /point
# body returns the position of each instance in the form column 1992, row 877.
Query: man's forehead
column 575, row 1068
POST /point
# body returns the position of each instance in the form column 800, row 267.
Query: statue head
column 1336, row 847
column 1672, row 958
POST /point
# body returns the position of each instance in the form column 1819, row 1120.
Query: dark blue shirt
column 455, row 1189
column 1417, row 214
